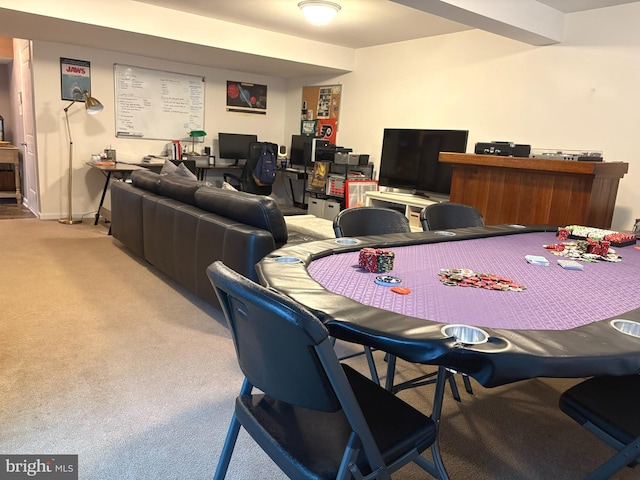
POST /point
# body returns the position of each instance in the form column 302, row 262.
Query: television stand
column 408, row 203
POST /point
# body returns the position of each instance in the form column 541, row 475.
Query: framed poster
column 245, row 97
column 75, row 79
column 318, row 179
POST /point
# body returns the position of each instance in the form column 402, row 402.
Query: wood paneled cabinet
column 534, row 190
column 9, row 156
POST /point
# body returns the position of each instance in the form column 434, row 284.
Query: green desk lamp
column 194, row 134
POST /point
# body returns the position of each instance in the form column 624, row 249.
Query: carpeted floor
column 102, row 356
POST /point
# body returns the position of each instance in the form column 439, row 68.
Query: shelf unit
column 410, row 205
column 330, row 204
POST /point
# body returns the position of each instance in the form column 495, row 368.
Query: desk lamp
column 194, row 134
column 92, row 106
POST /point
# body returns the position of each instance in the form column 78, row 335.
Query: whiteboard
column 153, row 104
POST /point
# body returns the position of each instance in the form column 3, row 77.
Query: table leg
column 104, row 193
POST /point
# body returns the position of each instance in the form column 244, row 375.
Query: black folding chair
column 608, row 408
column 448, row 215
column 362, row 221
column 315, row 417
column 445, row 215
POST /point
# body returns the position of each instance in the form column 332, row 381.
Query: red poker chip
column 401, row 290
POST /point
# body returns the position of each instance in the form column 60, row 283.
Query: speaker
column 504, row 149
column 282, row 151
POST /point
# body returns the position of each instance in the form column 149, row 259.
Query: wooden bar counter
column 535, row 190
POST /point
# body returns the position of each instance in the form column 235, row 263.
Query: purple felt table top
column 555, row 299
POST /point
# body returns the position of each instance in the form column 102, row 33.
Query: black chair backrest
column 362, row 221
column 190, row 164
column 440, row 216
column 274, row 339
column 247, row 182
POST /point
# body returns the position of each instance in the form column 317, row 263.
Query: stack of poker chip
column 598, row 247
column 376, row 260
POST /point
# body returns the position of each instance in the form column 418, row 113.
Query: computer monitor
column 300, row 150
column 235, row 146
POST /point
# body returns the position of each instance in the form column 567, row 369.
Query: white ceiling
column 359, row 23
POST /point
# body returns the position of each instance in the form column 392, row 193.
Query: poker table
column 563, row 323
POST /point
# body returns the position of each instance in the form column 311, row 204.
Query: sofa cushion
column 259, row 211
column 183, row 171
column 168, row 168
column 179, row 188
column 146, row 179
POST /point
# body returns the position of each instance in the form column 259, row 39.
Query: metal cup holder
column 347, row 241
column 628, row 327
column 444, row 233
column 466, row 334
column 287, row 260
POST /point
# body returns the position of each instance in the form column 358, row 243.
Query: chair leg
column 436, row 416
column 627, row 455
column 391, row 371
column 232, row 436
column 454, row 387
column 227, row 449
column 372, row 365
column 467, row 384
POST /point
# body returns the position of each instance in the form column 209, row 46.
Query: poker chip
column 401, row 290
column 376, row 260
column 387, row 280
column 465, row 277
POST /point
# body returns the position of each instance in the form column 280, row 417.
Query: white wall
column 94, row 133
column 582, row 94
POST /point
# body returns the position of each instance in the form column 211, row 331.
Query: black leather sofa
column 181, row 226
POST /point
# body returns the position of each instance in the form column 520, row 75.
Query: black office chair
column 245, row 182
column 608, row 408
column 362, row 221
column 315, row 417
column 446, row 215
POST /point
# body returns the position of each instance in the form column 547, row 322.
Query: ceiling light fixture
column 319, row 12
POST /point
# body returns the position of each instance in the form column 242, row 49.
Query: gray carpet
column 102, row 356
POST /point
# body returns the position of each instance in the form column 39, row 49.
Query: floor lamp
column 92, row 107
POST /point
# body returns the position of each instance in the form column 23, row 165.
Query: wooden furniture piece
column 410, row 204
column 9, row 155
column 534, row 190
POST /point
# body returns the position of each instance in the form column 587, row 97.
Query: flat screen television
column 234, row 146
column 409, row 159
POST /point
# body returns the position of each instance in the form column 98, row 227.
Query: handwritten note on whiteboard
column 153, row 104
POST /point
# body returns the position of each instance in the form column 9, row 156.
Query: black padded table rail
column 593, row 347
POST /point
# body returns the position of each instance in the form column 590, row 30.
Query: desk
column 202, row 170
column 9, row 155
column 121, row 170
column 572, row 338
